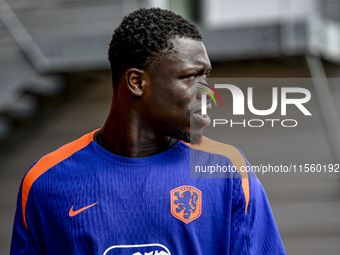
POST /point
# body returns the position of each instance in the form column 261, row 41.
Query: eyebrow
column 198, row 69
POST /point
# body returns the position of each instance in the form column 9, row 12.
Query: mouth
column 203, row 119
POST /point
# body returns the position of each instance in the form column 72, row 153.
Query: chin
column 195, row 139
column 188, row 137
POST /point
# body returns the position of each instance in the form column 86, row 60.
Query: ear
column 135, row 80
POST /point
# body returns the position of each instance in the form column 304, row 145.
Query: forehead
column 187, row 54
column 190, row 53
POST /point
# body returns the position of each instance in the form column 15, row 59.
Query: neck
column 124, row 134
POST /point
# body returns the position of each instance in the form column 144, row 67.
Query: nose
column 200, row 92
column 202, row 88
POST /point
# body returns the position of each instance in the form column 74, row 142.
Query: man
column 126, row 188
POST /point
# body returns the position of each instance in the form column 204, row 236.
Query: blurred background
column 55, row 86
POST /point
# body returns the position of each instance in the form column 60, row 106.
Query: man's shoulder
column 53, row 158
column 223, row 149
column 47, row 162
column 236, row 157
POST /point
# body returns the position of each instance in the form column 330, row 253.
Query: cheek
column 194, row 100
column 172, row 99
column 183, row 100
column 178, row 96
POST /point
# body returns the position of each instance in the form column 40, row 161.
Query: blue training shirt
column 82, row 199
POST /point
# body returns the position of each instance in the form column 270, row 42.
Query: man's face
column 174, row 102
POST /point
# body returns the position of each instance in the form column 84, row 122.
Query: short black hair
column 143, row 36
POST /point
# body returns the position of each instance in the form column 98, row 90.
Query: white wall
column 226, row 13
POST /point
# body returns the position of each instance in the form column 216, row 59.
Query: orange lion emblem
column 186, row 203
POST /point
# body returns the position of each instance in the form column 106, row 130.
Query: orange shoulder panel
column 48, row 161
column 230, row 152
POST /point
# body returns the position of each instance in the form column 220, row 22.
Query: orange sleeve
column 48, row 161
column 233, row 154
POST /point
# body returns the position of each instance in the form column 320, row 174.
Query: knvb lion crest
column 186, row 203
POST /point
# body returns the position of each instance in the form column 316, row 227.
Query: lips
column 203, row 119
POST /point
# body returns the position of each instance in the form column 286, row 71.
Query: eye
column 198, row 74
column 192, row 76
column 189, row 78
column 206, row 75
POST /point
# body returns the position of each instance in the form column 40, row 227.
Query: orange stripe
column 230, row 152
column 48, row 161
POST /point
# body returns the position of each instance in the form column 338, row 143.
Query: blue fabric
column 133, row 196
